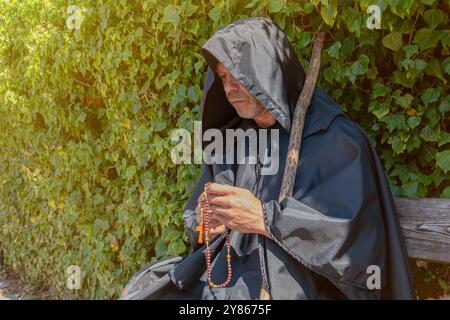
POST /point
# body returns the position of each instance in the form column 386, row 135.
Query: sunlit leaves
column 329, row 12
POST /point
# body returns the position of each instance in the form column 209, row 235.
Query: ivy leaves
column 400, row 77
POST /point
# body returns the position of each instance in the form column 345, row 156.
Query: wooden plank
column 425, row 224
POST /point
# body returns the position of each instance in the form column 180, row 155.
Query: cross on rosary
column 199, row 229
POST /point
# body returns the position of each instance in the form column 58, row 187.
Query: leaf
column 446, row 65
column 100, row 225
column 404, row 101
column 401, row 7
column 171, row 15
column 435, row 17
column 394, row 121
column 368, row 37
column 445, row 37
column 178, row 247
column 360, row 66
column 393, row 41
column 403, row 79
column 352, row 19
column 275, row 5
column 122, row 216
column 429, row 134
column 333, row 51
column 173, row 235
column 190, row 10
column 444, row 106
column 446, row 193
column 347, row 47
column 328, row 13
column 413, row 189
column 215, row 14
column 410, row 50
column 139, row 32
column 444, row 138
column 417, row 64
column 193, row 27
column 426, row 38
column 413, row 121
column 308, row 7
column 251, row 4
column 131, row 171
column 397, row 144
column 192, row 93
column 159, row 125
column 433, row 116
column 430, row 95
column 443, row 160
column 379, row 90
column 304, row 39
column 143, row 134
column 434, row 69
column 379, row 109
column 52, row 204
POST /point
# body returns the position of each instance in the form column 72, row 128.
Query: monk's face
column 246, row 105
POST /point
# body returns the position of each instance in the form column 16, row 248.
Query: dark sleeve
column 334, row 228
column 189, row 215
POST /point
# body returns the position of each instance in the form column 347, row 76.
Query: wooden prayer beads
column 203, row 236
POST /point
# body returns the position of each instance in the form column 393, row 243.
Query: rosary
column 203, row 228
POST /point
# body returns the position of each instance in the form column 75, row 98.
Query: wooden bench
column 425, row 223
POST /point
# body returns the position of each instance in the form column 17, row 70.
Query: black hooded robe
column 341, row 219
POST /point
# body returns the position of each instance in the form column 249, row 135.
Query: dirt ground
column 432, row 280
column 12, row 288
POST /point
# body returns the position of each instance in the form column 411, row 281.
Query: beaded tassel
column 204, row 228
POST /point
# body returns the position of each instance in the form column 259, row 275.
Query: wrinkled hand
column 236, row 208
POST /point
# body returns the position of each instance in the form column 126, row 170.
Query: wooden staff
column 298, row 120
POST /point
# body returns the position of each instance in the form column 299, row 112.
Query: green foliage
column 85, row 117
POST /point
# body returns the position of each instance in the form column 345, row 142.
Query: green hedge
column 86, row 176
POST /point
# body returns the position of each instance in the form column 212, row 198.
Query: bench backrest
column 425, row 223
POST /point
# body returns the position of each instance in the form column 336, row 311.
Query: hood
column 258, row 54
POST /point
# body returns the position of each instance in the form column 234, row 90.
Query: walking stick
column 298, row 120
